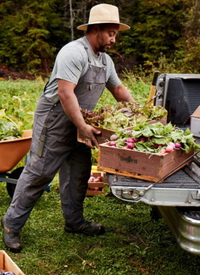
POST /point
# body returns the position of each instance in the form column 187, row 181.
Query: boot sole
column 14, row 250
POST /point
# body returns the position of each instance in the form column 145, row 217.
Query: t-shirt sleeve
column 113, row 79
column 70, row 64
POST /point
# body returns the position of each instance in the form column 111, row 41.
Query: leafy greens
column 8, row 128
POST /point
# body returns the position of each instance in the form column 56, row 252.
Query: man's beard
column 104, row 48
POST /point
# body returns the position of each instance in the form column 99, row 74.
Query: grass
column 133, row 242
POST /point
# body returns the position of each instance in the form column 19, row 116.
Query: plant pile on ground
column 123, row 115
column 154, row 138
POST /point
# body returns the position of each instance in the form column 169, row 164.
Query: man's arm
column 72, row 109
column 121, row 93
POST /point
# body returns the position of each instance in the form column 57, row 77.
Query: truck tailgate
column 180, row 189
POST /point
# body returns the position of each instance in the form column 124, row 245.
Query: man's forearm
column 121, row 93
column 70, row 105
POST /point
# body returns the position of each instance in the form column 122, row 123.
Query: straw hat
column 104, row 14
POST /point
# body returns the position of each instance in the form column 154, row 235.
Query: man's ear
column 95, row 29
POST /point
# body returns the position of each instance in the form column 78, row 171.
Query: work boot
column 87, row 228
column 10, row 238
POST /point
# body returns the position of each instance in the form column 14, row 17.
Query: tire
column 155, row 213
column 11, row 186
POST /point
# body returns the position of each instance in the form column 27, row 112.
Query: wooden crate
column 162, row 120
column 7, row 264
column 96, row 188
column 107, row 133
column 102, row 138
column 151, row 167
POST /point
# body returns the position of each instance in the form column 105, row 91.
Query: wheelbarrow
column 11, row 152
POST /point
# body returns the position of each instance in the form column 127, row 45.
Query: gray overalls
column 55, row 148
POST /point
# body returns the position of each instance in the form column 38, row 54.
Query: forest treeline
column 162, row 31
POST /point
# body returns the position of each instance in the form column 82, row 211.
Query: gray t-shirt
column 72, row 63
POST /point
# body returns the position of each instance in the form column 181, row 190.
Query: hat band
column 104, row 21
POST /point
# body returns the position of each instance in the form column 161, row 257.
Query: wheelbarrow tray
column 12, row 151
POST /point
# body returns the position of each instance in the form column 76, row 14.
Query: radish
column 129, row 140
column 114, row 137
column 162, row 151
column 171, row 144
column 112, row 143
column 135, row 139
column 143, row 139
column 177, row 145
column 169, row 149
column 91, row 179
column 130, row 145
column 99, row 178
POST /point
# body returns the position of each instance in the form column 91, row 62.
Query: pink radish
column 114, row 137
column 162, row 151
column 129, row 140
column 130, row 145
column 91, row 179
column 143, row 139
column 177, row 145
column 169, row 149
column 171, row 144
column 135, row 139
column 112, row 143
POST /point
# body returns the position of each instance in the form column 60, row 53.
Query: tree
column 27, row 34
column 32, row 32
column 188, row 52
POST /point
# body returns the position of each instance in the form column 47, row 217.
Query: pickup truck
column 177, row 198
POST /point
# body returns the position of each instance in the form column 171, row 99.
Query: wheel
column 155, row 213
column 14, row 175
column 190, row 212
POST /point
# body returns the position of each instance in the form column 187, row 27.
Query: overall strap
column 86, row 48
column 89, row 60
column 45, row 86
column 104, row 59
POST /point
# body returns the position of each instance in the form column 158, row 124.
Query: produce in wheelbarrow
column 14, row 143
column 8, row 128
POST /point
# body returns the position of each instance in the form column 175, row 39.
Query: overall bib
column 55, row 148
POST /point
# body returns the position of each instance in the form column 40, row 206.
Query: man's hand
column 89, row 132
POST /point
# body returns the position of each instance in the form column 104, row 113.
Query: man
column 81, row 71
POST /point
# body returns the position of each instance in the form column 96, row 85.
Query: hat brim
column 122, row 27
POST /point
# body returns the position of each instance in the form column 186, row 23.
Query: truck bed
column 180, row 189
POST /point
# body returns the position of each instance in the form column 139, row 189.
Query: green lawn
column 133, row 242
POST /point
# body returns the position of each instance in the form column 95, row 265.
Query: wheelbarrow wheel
column 13, row 175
